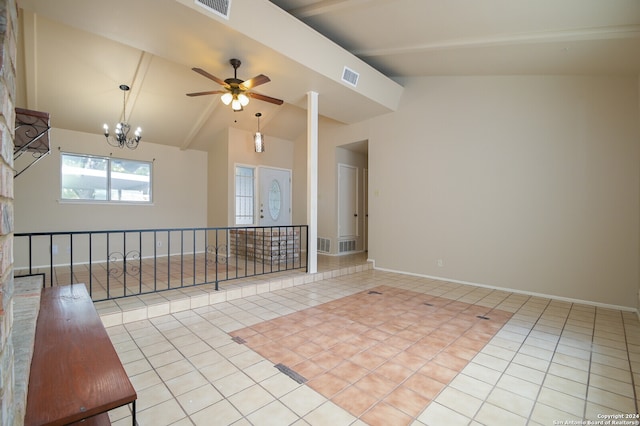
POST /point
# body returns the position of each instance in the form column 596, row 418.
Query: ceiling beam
column 620, row 32
column 137, row 81
column 200, row 122
column 325, row 6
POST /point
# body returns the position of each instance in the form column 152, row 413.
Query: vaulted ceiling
column 73, row 55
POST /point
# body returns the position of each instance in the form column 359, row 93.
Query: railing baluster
column 216, row 261
column 108, row 266
column 155, row 260
column 181, row 258
column 71, row 258
column 90, row 263
column 140, row 262
column 124, row 262
column 195, row 253
column 168, row 260
column 51, row 260
column 30, row 256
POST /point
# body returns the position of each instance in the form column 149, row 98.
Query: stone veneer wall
column 13, row 406
column 266, row 245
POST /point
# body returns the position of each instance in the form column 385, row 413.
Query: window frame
column 108, row 200
column 253, row 196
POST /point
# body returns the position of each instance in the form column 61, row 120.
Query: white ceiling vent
column 349, row 76
column 219, row 7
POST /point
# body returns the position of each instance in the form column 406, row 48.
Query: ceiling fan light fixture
column 226, row 98
column 244, row 99
column 236, row 92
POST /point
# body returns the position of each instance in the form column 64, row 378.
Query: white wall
column 527, row 183
column 179, row 190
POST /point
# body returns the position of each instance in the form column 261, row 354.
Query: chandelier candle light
column 258, row 138
column 121, row 137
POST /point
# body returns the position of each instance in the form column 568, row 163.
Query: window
column 245, row 195
column 89, row 178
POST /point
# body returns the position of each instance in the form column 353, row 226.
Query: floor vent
column 289, row 372
column 349, row 76
column 324, row 245
column 482, row 317
column 219, row 7
column 239, row 340
column 347, row 246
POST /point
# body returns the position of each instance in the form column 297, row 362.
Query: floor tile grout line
column 593, row 333
column 633, row 384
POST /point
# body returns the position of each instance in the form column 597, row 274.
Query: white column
column 312, row 180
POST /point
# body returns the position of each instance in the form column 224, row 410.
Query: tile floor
column 552, row 361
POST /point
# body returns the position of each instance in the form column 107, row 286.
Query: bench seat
column 75, row 371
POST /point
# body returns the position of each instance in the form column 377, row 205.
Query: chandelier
column 121, row 137
column 258, row 138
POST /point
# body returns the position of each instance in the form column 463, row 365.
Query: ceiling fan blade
column 265, row 98
column 209, row 76
column 256, row 81
column 210, row 92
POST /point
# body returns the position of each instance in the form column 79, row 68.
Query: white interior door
column 274, row 203
column 365, row 197
column 347, row 201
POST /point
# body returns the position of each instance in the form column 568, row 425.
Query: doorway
column 347, row 202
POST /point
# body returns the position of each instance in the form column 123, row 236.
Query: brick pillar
column 12, row 411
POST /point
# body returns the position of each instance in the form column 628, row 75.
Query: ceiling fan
column 237, row 92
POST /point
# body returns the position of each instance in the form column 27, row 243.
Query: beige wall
column 526, row 183
column 179, row 190
column 218, row 184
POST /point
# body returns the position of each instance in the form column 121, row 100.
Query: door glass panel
column 275, row 200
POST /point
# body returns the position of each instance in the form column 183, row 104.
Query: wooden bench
column 75, row 371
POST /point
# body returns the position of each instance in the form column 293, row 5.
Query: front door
column 274, row 197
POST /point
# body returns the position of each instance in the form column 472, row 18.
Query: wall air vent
column 349, row 76
column 347, row 246
column 219, row 7
column 324, row 245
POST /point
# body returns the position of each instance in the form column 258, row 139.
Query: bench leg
column 133, row 413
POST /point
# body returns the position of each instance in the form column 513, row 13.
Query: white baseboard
column 517, row 291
